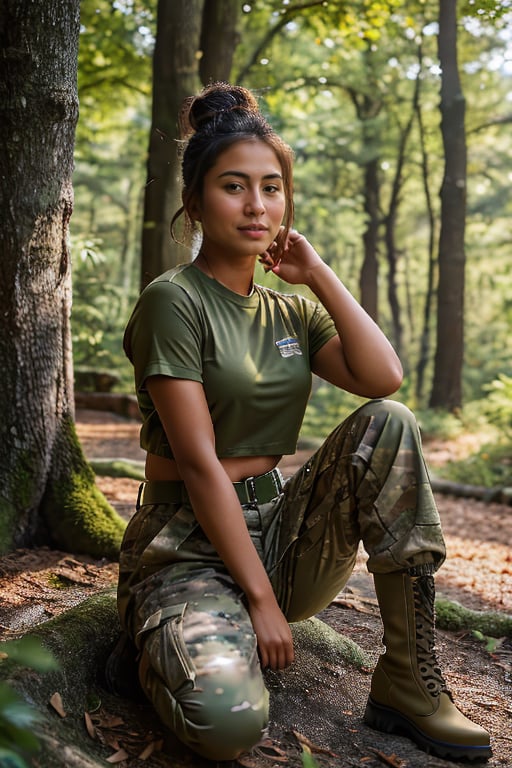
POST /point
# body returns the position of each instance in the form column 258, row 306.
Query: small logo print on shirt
column 288, row 347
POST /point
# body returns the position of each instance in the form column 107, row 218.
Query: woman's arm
column 182, row 408
column 360, row 359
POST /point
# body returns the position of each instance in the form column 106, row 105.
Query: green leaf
column 9, row 759
column 17, row 719
column 28, row 651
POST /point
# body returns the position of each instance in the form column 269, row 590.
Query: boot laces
column 424, row 594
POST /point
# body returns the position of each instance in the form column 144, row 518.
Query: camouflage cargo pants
column 198, row 655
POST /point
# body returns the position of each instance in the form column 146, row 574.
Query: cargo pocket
column 165, row 648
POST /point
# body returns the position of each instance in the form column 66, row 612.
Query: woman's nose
column 254, row 205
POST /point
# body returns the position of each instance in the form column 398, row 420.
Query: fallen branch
column 464, row 490
column 455, row 617
column 118, row 468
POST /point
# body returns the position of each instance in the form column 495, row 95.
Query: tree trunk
column 367, row 109
column 44, row 477
column 447, row 384
column 390, row 221
column 195, row 43
column 220, row 23
column 175, row 76
column 368, row 281
column 424, row 351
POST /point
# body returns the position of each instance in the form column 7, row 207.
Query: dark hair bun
column 215, row 104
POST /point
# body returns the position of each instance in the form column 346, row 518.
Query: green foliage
column 491, row 643
column 489, row 421
column 327, row 408
column 99, row 313
column 490, row 466
column 438, row 423
column 28, row 651
column 116, row 41
column 17, row 718
column 498, row 404
column 337, row 80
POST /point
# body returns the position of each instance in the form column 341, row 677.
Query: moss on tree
column 76, row 513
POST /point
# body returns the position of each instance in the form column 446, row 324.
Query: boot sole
column 389, row 720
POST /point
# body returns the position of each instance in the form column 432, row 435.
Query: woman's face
column 243, row 200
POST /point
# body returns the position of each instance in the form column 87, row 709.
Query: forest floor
column 321, row 713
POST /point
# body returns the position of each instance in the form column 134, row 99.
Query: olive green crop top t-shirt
column 252, row 355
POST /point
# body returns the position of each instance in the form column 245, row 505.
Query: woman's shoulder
column 181, row 280
column 182, row 274
column 293, row 300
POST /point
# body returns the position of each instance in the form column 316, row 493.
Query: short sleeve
column 321, row 327
column 163, row 335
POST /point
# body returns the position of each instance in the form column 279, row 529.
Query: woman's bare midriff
column 237, row 468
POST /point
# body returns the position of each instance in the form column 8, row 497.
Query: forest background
column 399, row 115
column 356, row 90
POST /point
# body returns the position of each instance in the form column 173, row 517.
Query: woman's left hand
column 291, row 260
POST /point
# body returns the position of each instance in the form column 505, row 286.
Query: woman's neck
column 239, row 280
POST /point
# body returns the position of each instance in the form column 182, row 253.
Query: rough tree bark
column 447, row 384
column 47, row 490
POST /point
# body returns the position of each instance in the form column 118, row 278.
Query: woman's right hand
column 275, row 642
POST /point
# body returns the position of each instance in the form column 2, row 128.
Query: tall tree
column 47, row 488
column 425, row 334
column 447, row 383
column 195, row 42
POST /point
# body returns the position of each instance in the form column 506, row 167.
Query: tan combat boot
column 408, row 694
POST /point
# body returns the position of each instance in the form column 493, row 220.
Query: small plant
column 17, row 718
column 308, row 761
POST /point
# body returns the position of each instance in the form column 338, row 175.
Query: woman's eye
column 271, row 189
column 233, row 186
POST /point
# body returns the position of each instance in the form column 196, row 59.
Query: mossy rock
column 80, row 641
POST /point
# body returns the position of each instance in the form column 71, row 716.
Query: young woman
column 221, row 553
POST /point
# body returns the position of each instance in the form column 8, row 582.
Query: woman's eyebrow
column 243, row 175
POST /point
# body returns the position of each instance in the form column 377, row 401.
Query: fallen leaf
column 271, row 752
column 118, row 756
column 91, row 730
column 392, row 760
column 148, row 751
column 313, row 747
column 266, row 750
column 56, row 703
